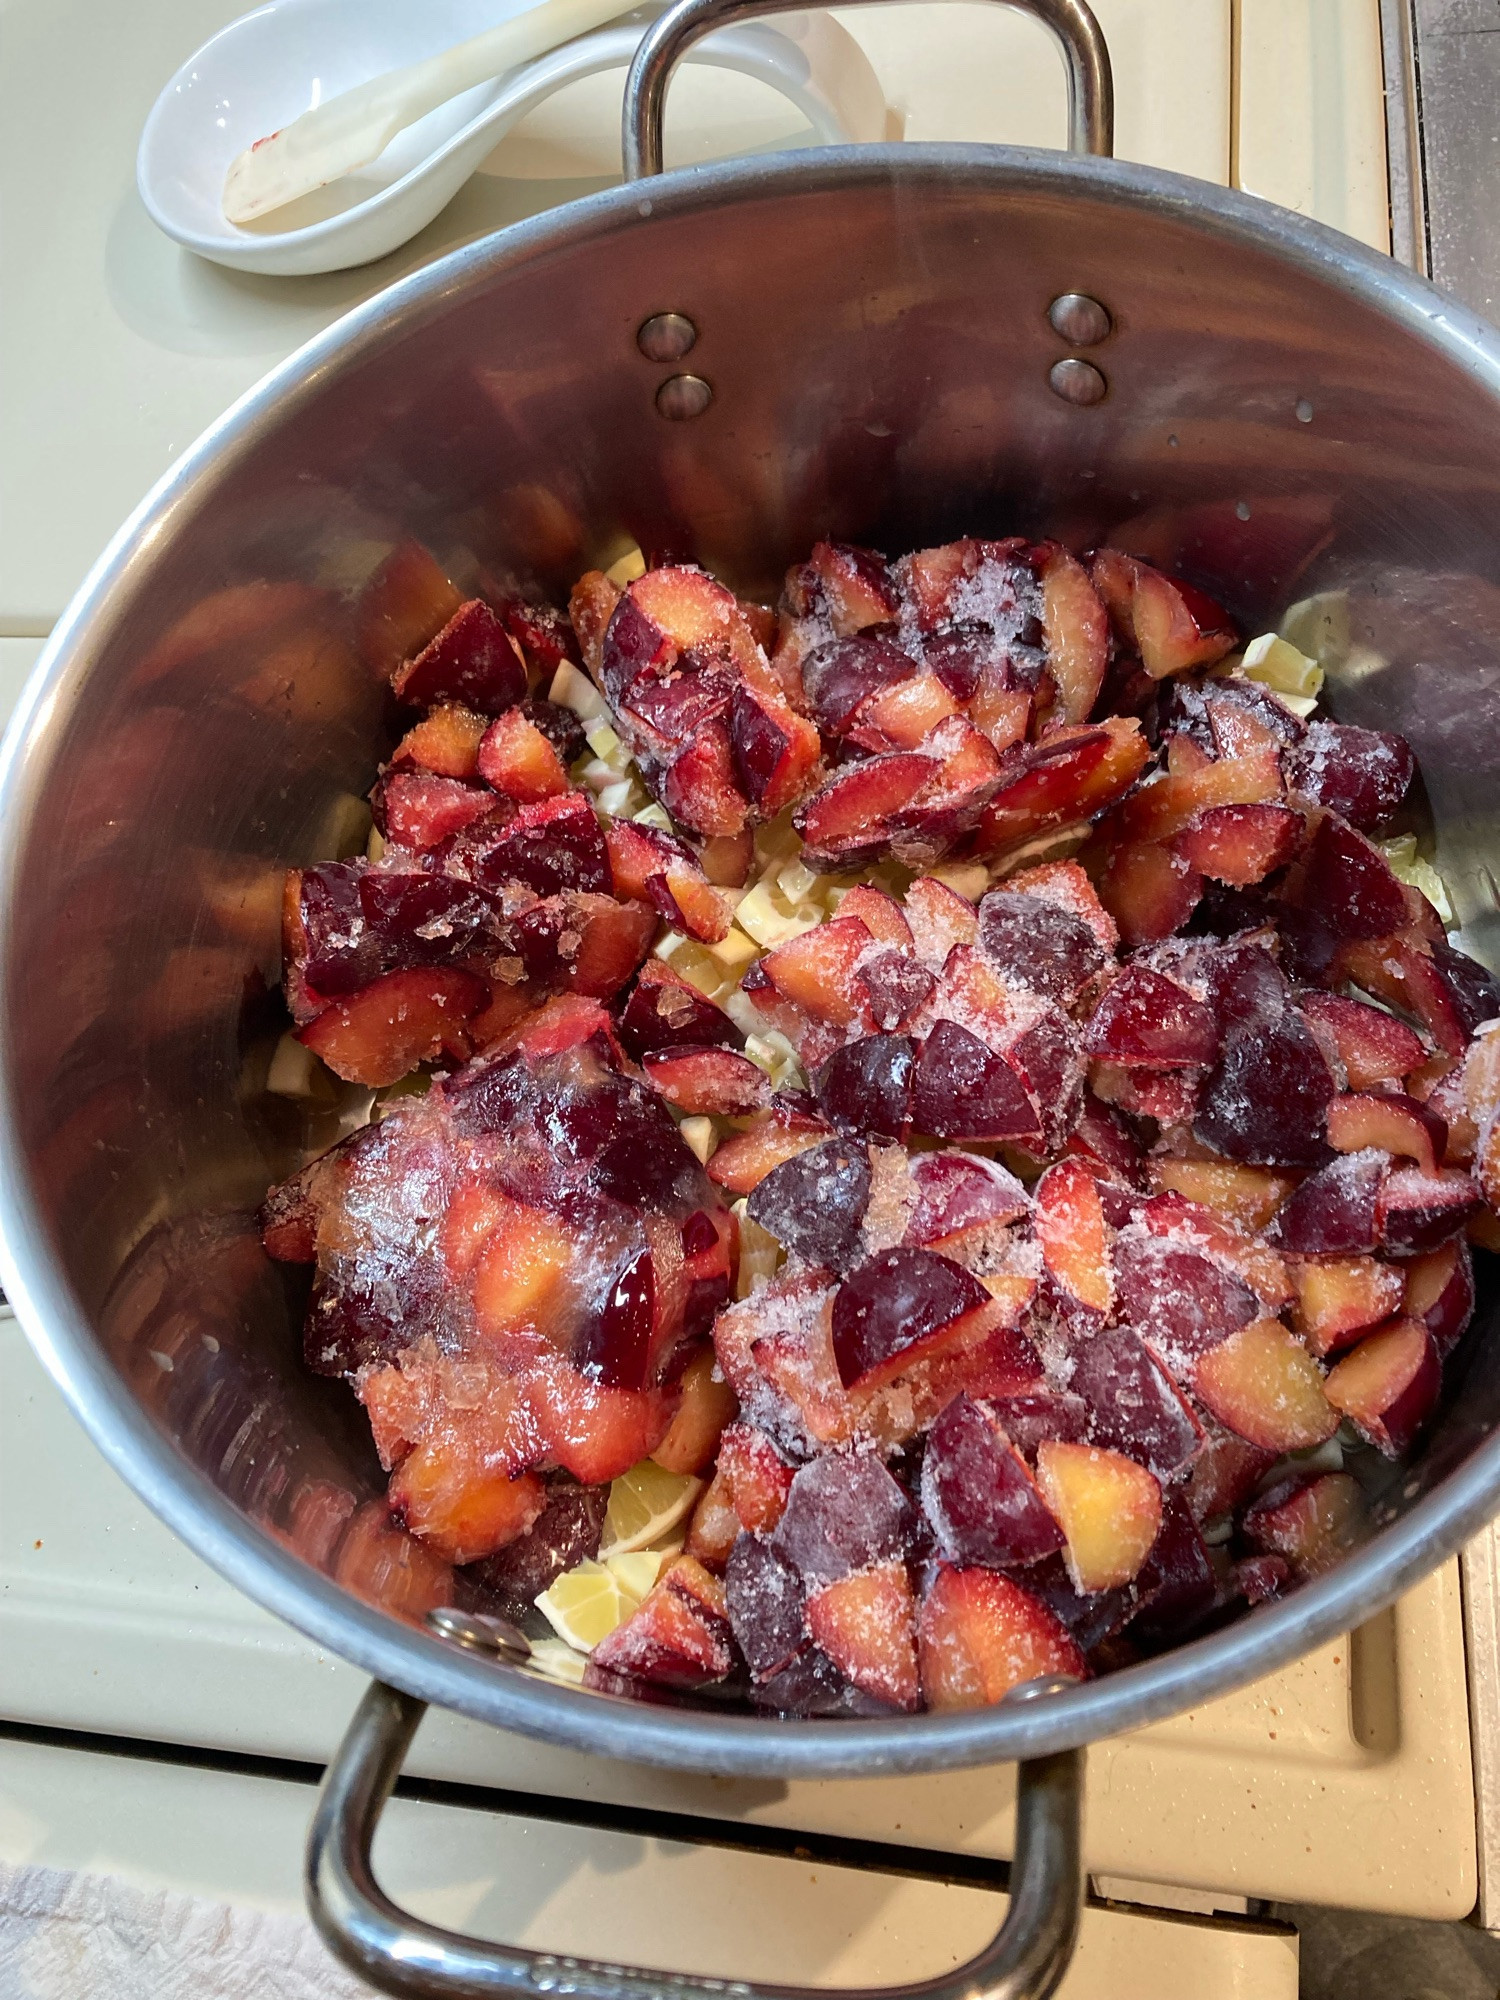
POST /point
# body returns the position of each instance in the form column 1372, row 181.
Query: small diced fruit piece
column 879, row 913
column 1248, row 1196
column 865, row 1087
column 518, row 760
column 1440, row 1292
column 1034, row 942
column 1225, row 1473
column 1341, row 1298
column 844, row 1513
column 1362, row 774
column 816, row 971
column 1313, row 1524
column 979, row 1635
column 706, row 1082
column 849, row 819
column 1074, row 1237
column 978, row 1495
column 462, row 1509
column 757, row 1477
column 1266, row 1100
column 1108, row 1507
column 1075, row 627
column 744, row 1160
column 1164, row 809
column 714, row 1527
column 406, row 603
column 708, row 1405
column 897, row 1306
column 446, row 742
column 1174, row 626
column 666, row 1011
column 1373, row 1046
column 814, row 1203
column 379, row 1034
column 1149, row 890
column 1265, row 1387
column 1176, row 1297
column 1133, row 1405
column 963, row 1090
column 1393, row 1124
column 1146, row 1018
column 679, row 1637
column 865, row 1624
column 1261, row 1579
column 1388, row 1385
column 1074, row 774
column 419, row 811
column 1419, row 1210
column 961, row 1198
column 1240, row 844
column 1335, row 1212
column 473, row 660
column 766, row 1601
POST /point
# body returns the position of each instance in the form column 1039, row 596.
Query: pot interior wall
column 879, row 354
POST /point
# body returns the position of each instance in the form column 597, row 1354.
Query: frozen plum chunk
column 1133, row 1406
column 979, row 1497
column 814, row 1204
column 1265, row 1102
column 1147, row 1019
column 844, row 1513
column 962, row 1090
column 1335, row 1212
column 1038, row 944
column 1178, row 1300
column 839, row 677
column 766, row 1600
column 895, row 1305
column 866, row 1086
column 566, row 1532
column 1361, row 774
column 895, row 985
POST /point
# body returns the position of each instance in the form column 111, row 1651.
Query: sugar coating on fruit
column 1064, row 1207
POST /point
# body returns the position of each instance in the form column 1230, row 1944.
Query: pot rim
column 406, row 1656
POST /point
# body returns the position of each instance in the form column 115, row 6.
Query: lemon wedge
column 645, row 1504
column 585, row 1605
column 557, row 1660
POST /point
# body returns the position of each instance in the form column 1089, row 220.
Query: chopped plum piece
column 1440, row 1292
column 849, row 820
column 1075, row 628
column 961, row 1197
column 1146, row 1018
column 1361, row 774
column 844, row 1513
column 1339, row 1299
column 1449, row 994
column 461, row 1510
column 979, row 1635
column 1102, row 1136
column 902, row 715
column 708, row 1403
column 1390, row 1123
column 417, row 811
column 895, row 986
column 880, row 914
column 1347, row 883
column 540, row 630
column 1225, row 1473
column 1373, row 1046
column 961, row 1090
column 518, row 759
column 1335, row 1212
column 472, row 660
column 1039, row 944
column 549, row 846
column 1172, row 1215
column 1070, row 777
column 1075, row 1242
column 1037, row 1413
column 1240, row 844
column 1265, row 1102
column 866, row 1086
column 665, row 1011
column 706, row 1081
column 379, row 1034
column 1262, row 1384
column 1248, row 1196
column 896, row 1306
column 866, row 1624
column 1172, row 625
column 1149, row 890
column 1418, row 1210
column 1178, row 1299
column 679, row 1637
column 1312, row 1523
column 765, row 1598
column 939, row 919
column 816, row 971
column 757, row 1477
column 839, row 677
column 978, row 1495
column 1133, row 1405
column 744, row 1160
column 1388, row 1385
column 814, row 1203
column 1262, row 1579
column 566, row 1532
column 1108, row 1506
column 852, row 585
column 446, row 743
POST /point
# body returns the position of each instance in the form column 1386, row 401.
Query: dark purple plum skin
column 666, row 1016
column 766, row 1599
column 547, row 853
column 566, row 1532
column 1176, row 1298
column 1145, row 1017
column 1334, row 1212
column 962, row 1090
column 1361, row 774
column 843, row 673
column 895, row 985
column 611, row 1348
column 978, row 1496
column 844, row 1513
column 865, row 1087
column 895, row 1300
column 814, row 1204
column 1038, row 944
column 1265, row 1102
column 1348, row 884
column 757, row 741
column 1132, row 1405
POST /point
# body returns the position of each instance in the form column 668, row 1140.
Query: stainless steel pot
column 887, row 345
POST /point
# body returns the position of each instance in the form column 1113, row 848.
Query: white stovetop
column 1345, row 1779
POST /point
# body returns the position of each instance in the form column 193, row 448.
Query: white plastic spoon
column 246, row 79
column 350, row 130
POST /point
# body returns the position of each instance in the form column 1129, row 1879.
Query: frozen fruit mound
column 920, row 1139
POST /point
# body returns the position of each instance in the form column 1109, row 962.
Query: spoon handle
column 355, row 127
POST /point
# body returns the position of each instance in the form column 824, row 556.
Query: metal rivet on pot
column 666, row 336
column 480, row 1632
column 1079, row 320
column 1077, row 382
column 683, row 396
column 1040, row 1690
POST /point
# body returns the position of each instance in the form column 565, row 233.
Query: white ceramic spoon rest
column 245, row 83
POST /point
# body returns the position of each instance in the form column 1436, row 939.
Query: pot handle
column 1091, row 97
column 400, row 1954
